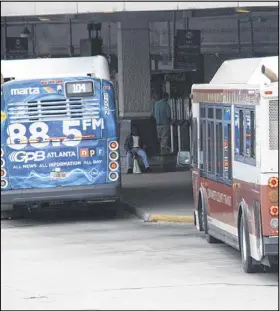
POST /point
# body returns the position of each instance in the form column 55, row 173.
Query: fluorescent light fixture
column 240, row 10
column 44, row 19
column 25, row 33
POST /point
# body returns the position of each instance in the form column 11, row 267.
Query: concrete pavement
column 163, row 197
column 89, row 262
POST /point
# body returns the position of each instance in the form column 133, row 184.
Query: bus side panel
column 110, row 131
column 5, row 183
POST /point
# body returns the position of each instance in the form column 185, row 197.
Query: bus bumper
column 98, row 193
column 271, row 246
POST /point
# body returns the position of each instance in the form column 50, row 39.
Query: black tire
column 116, row 208
column 209, row 238
column 11, row 214
column 200, row 219
column 246, row 259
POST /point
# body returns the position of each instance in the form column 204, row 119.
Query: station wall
column 219, row 37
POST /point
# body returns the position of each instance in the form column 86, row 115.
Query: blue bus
column 59, row 133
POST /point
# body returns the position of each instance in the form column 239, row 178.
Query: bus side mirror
column 184, row 158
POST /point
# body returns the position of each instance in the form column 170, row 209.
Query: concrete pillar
column 134, row 69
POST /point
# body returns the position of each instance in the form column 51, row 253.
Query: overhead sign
column 16, row 47
column 187, row 50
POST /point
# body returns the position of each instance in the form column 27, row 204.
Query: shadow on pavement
column 66, row 214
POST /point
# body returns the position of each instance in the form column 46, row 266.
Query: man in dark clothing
column 134, row 146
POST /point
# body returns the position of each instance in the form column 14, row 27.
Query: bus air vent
column 49, row 110
column 273, row 124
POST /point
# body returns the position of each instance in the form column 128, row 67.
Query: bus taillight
column 273, row 196
column 4, row 183
column 274, row 223
column 274, row 210
column 3, row 173
column 113, row 156
column 273, row 182
column 113, row 145
column 113, row 166
column 113, row 176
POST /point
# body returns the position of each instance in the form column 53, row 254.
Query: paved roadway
column 95, row 262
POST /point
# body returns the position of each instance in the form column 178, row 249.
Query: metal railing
column 179, row 127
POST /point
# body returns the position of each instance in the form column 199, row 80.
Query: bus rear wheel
column 116, row 208
column 247, row 260
column 12, row 214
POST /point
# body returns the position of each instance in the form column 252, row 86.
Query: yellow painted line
column 171, row 218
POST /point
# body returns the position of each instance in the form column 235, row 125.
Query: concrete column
column 134, row 69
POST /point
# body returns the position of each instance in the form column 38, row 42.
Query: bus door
column 55, row 133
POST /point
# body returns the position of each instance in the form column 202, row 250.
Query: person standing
column 162, row 115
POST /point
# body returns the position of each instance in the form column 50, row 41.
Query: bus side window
column 227, row 147
column 203, row 152
column 219, row 149
column 211, row 147
column 241, row 132
column 253, row 134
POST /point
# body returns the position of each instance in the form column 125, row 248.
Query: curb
column 171, row 218
column 140, row 213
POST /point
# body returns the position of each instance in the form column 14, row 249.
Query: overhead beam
column 40, row 8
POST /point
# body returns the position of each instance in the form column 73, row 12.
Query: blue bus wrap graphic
column 50, row 140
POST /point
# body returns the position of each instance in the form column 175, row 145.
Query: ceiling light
column 44, row 19
column 25, row 33
column 240, row 10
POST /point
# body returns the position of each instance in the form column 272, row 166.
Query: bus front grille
column 50, row 110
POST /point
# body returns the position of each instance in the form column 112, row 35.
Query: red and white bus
column 234, row 159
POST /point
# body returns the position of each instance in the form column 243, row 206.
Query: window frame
column 195, row 145
column 204, row 123
column 245, row 158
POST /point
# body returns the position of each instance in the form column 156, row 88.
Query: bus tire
column 11, row 214
column 209, row 238
column 117, row 208
column 244, row 245
column 200, row 212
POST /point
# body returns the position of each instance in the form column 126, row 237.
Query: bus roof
column 245, row 71
column 39, row 68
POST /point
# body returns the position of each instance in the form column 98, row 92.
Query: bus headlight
column 2, row 162
column 2, row 152
column 113, row 176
